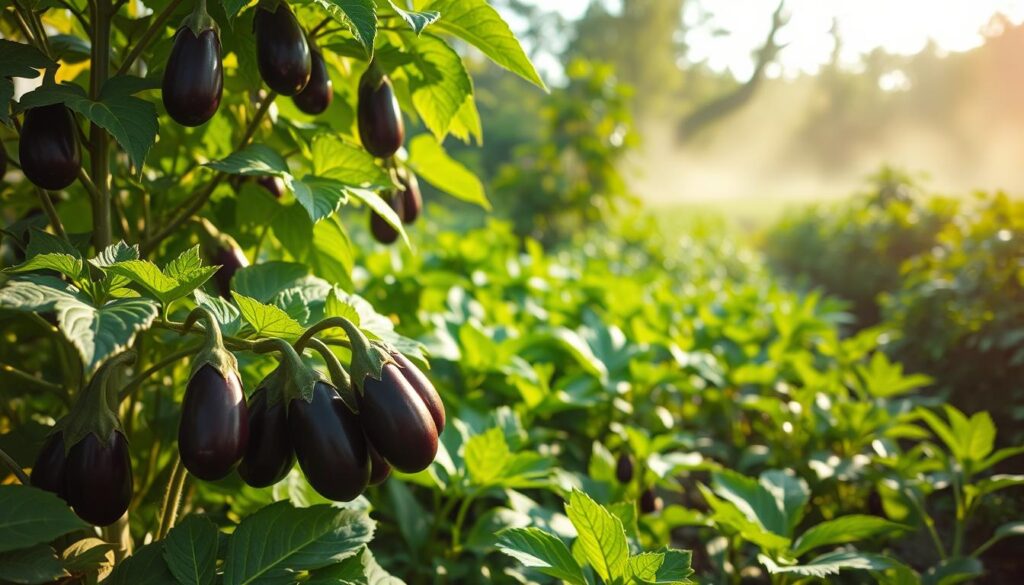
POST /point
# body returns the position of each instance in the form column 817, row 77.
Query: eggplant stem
column 14, row 467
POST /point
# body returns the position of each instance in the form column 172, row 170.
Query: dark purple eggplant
column 650, row 503
column 624, row 468
column 48, row 149
column 379, row 468
column 412, row 199
column 272, row 183
column 282, row 52
column 329, row 444
column 49, row 469
column 214, row 428
column 269, row 455
column 397, row 421
column 98, row 478
column 318, row 93
column 424, row 388
column 194, row 78
column 379, row 119
column 230, row 259
column 381, row 229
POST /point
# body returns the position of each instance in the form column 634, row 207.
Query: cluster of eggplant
column 649, row 502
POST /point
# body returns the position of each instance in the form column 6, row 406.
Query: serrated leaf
column 602, row 539
column 539, row 550
column 320, row 197
column 115, row 253
column 832, row 564
column 268, row 545
column 37, row 293
column 644, row 566
column 190, row 551
column 253, row 160
column 265, row 280
column 30, row 516
column 334, row 158
column 147, row 275
column 35, row 564
column 851, row 528
column 17, row 60
column 417, row 20
column 227, row 315
column 145, row 566
column 487, row 454
column 438, row 81
column 432, row 164
column 99, row 333
column 41, row 242
column 267, row 320
column 360, row 16
column 480, row 25
column 63, row 263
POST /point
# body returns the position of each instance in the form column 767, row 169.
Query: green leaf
column 99, row 333
column 190, row 551
column 253, row 160
column 88, row 554
column 147, row 275
column 280, row 539
column 265, row 280
column 37, row 293
column 334, row 158
column 439, row 83
column 752, row 499
column 833, row 563
column 30, row 516
column 36, row 564
column 852, row 528
column 231, row 7
column 267, row 320
column 539, row 550
column 65, row 264
column 791, row 494
column 331, row 255
column 676, row 569
column 413, row 520
column 17, row 60
column 417, row 20
column 885, row 379
column 360, row 16
column 228, row 316
column 953, row 570
column 487, row 454
column 480, row 25
column 1004, row 531
column 319, row 196
column 41, row 242
column 980, row 438
column 146, row 566
column 601, row 536
column 940, row 428
column 644, row 567
column 381, row 208
column 115, row 253
column 429, row 160
column 182, row 275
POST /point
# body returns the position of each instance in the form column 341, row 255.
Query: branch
column 147, row 37
column 51, row 213
column 14, row 467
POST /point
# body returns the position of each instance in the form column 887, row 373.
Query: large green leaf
column 319, row 196
column 37, row 293
column 270, row 545
column 36, row 564
column 146, row 566
column 752, row 499
column 190, row 551
column 844, row 529
column 381, row 208
column 17, row 60
column 30, row 516
column 439, row 83
column 601, row 536
column 335, row 158
column 833, row 563
column 539, row 550
column 255, row 159
column 487, row 454
column 480, row 25
column 360, row 16
column 429, row 160
column 99, row 333
column 264, row 280
column 267, row 320
column 662, row 567
column 65, row 264
column 417, row 20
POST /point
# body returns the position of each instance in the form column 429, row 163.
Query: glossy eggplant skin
column 379, row 468
column 48, row 149
column 329, row 444
column 49, row 469
column 214, row 427
column 624, row 468
column 380, row 121
column 424, row 388
column 194, row 78
column 382, row 230
column 412, row 199
column 397, row 421
column 98, row 478
column 318, row 93
column 230, row 260
column 282, row 53
column 269, row 455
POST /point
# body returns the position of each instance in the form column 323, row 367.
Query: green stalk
column 169, row 511
column 99, row 140
column 14, row 467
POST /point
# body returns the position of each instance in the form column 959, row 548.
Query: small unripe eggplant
column 282, row 53
column 379, row 468
column 269, row 455
column 272, row 183
column 650, row 503
column 624, row 468
column 412, row 199
column 230, row 259
column 424, row 388
column 330, row 445
column 381, row 229
column 48, row 148
column 214, row 428
column 318, row 93
column 98, row 478
column 49, row 469
column 379, row 119
column 194, row 78
column 397, row 421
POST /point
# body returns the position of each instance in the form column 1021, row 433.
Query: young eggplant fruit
column 381, row 229
column 624, row 468
column 194, row 78
column 49, row 469
column 330, row 444
column 318, row 93
column 214, row 427
column 48, row 148
column 269, row 456
column 650, row 503
column 98, row 478
column 273, row 184
column 379, row 468
column 397, row 421
column 412, row 199
column 379, row 119
column 282, row 53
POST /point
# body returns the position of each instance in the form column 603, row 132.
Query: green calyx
column 368, row 359
column 294, row 378
column 199, row 20
column 213, row 352
column 96, row 409
column 374, row 75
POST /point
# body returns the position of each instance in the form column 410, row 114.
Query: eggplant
column 650, row 503
column 214, row 427
column 424, row 388
column 194, row 79
column 269, row 455
column 282, row 53
column 48, row 471
column 98, row 478
column 329, row 443
column 379, row 119
column 230, row 259
column 624, row 468
column 381, row 229
column 48, row 148
column 272, row 183
column 397, row 421
column 318, row 93
column 379, row 468
column 412, row 199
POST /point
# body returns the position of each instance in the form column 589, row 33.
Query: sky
column 898, row 26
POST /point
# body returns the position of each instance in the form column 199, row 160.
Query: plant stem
column 98, row 137
column 54, row 389
column 147, row 37
column 928, row 522
column 170, row 359
column 169, row 512
column 51, row 213
column 120, row 535
column 14, row 467
column 460, row 518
